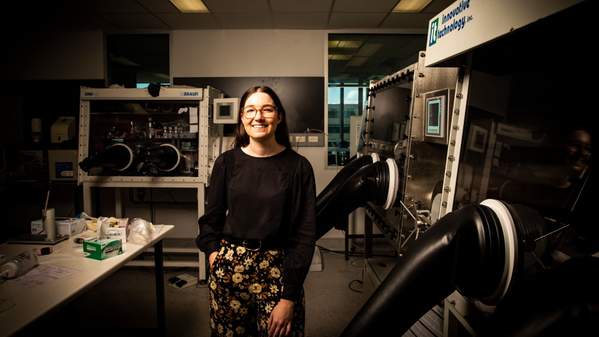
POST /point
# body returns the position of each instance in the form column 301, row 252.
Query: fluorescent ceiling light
column 339, row 57
column 349, row 44
column 190, row 6
column 411, row 6
column 345, row 44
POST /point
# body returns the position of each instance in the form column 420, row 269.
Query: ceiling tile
column 189, row 21
column 159, row 6
column 364, row 6
column 244, row 20
column 115, row 6
column 356, row 20
column 71, row 6
column 397, row 20
column 238, row 6
column 437, row 6
column 301, row 6
column 301, row 20
column 369, row 49
column 90, row 22
column 135, row 21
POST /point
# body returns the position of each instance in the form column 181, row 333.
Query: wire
column 357, row 289
column 408, row 210
column 341, row 252
column 360, row 282
column 351, row 263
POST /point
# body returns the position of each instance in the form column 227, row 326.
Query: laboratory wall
column 53, row 56
column 80, row 56
column 239, row 53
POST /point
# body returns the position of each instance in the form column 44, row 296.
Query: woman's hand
column 279, row 323
column 211, row 258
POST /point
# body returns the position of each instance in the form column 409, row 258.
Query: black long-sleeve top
column 265, row 198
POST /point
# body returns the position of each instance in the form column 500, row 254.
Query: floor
column 123, row 304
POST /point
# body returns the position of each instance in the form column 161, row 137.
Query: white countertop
column 60, row 276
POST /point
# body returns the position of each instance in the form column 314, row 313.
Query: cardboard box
column 63, row 129
column 62, row 164
column 37, row 227
column 64, row 226
column 70, row 226
column 102, row 249
column 115, row 233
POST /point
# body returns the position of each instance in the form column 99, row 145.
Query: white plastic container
column 18, row 265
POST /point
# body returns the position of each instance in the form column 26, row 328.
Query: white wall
column 239, row 53
column 56, row 56
column 259, row 53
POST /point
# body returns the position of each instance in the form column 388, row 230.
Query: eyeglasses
column 267, row 111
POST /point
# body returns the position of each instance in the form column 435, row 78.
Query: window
column 136, row 60
column 355, row 60
column 344, row 102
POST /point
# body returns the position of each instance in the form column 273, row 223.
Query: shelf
column 167, row 263
column 135, row 114
column 177, row 253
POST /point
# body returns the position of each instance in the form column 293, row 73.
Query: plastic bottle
column 150, row 128
column 18, row 265
column 36, row 130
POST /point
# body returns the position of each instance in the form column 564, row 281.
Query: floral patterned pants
column 245, row 285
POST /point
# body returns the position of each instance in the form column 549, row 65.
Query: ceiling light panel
column 411, row 6
column 190, row 6
column 339, row 57
column 349, row 44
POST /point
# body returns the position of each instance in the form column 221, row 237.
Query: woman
column 258, row 230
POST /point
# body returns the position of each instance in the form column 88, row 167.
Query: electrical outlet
column 307, row 139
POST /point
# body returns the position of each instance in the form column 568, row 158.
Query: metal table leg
column 159, row 273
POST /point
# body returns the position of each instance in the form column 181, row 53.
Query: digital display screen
column 224, row 110
column 434, row 117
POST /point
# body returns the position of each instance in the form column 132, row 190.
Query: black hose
column 425, row 275
column 366, row 183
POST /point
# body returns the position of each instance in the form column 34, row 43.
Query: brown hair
column 282, row 132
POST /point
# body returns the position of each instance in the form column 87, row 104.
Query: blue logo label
column 452, row 21
column 432, row 33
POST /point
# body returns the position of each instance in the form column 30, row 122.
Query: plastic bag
column 140, row 231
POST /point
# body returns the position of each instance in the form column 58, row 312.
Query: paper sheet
column 193, row 115
column 43, row 274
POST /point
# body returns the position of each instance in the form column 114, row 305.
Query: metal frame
column 203, row 97
column 166, row 94
column 456, row 134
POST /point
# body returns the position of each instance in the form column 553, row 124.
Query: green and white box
column 102, row 249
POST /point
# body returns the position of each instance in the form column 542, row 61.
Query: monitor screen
column 224, row 110
column 435, row 117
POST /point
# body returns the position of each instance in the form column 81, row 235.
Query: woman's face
column 260, row 117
